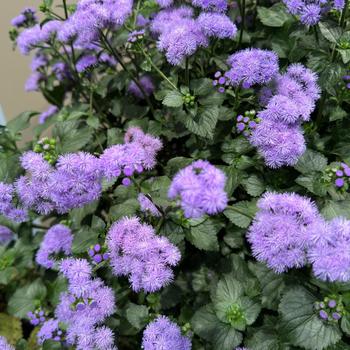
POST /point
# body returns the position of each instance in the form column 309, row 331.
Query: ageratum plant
column 188, row 186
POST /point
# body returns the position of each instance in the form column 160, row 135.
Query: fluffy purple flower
column 86, row 62
column 28, row 39
column 310, row 14
column 165, row 3
column 282, row 230
column 26, row 18
column 147, row 205
column 136, row 154
column 164, row 334
column 330, row 251
column 38, row 61
column 58, row 238
column 211, row 5
column 135, row 251
column 280, row 144
column 6, row 235
column 200, row 188
column 252, row 66
column 146, row 82
column 4, row 345
column 52, row 110
column 50, row 330
column 33, row 82
column 217, row 25
column 7, row 208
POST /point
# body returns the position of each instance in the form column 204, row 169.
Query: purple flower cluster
column 339, row 175
column 346, row 79
column 330, row 310
column 252, row 66
column 37, row 317
column 147, row 84
column 4, row 345
column 136, row 252
column 86, row 62
column 211, row 5
column 136, row 35
column 26, row 18
column 282, row 230
column 247, row 123
column 330, row 240
column 221, row 82
column 290, row 102
column 7, row 207
column 51, row 111
column 311, row 11
column 98, row 254
column 147, row 206
column 180, row 34
column 200, row 188
column 57, row 239
column 50, row 330
column 164, row 334
column 136, row 154
column 6, row 235
column 85, row 307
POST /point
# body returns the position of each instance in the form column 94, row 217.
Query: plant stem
column 242, row 23
column 65, row 8
column 187, row 73
column 157, row 69
column 116, row 55
column 316, row 35
column 343, row 14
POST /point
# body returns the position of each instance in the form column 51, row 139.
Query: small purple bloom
column 323, row 314
column 240, row 126
column 332, row 304
column 336, row 316
column 339, row 182
column 339, row 173
column 221, row 89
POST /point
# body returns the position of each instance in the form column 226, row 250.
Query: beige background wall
column 14, row 68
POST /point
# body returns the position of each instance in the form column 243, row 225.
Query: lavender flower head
column 252, row 66
column 282, row 230
column 217, row 25
column 135, row 251
column 279, row 144
column 7, row 207
column 4, row 345
column 211, row 5
column 50, row 330
column 6, row 235
column 52, row 110
column 86, row 62
column 147, row 205
column 58, row 238
column 136, row 154
column 200, row 188
column 164, row 334
column 147, row 84
column 330, row 251
column 27, row 17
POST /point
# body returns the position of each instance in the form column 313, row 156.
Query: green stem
column 316, row 35
column 157, row 69
column 242, row 23
column 136, row 13
column 116, row 55
column 343, row 14
column 65, row 8
column 187, row 73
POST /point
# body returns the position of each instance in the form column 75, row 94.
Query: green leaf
column 241, row 213
column 206, row 325
column 137, row 315
column 333, row 209
column 337, row 113
column 345, row 324
column 204, row 235
column 78, row 214
column 176, row 164
column 311, row 161
column 272, row 285
column 254, row 185
column 128, row 208
column 275, row 16
column 330, row 32
column 301, row 324
column 202, row 87
column 204, row 123
column 72, row 136
column 173, row 99
column 26, row 299
column 20, row 123
column 10, row 328
column 345, row 55
column 83, row 239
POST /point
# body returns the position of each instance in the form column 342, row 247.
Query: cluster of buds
column 246, row 123
column 330, row 309
column 221, row 82
column 37, row 317
column 80, row 304
column 129, row 171
column 346, row 79
column 47, row 147
column 98, row 254
column 188, row 99
column 136, row 35
column 339, row 175
column 234, row 314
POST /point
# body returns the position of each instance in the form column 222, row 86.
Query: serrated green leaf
column 333, row 209
column 275, row 16
column 241, row 213
column 137, row 315
column 202, row 87
column 20, row 123
column 204, row 123
column 311, row 161
column 173, row 99
column 331, row 32
column 301, row 324
column 26, row 299
column 254, row 185
column 78, row 214
column 83, row 239
column 127, row 208
column 204, row 235
column 208, row 326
